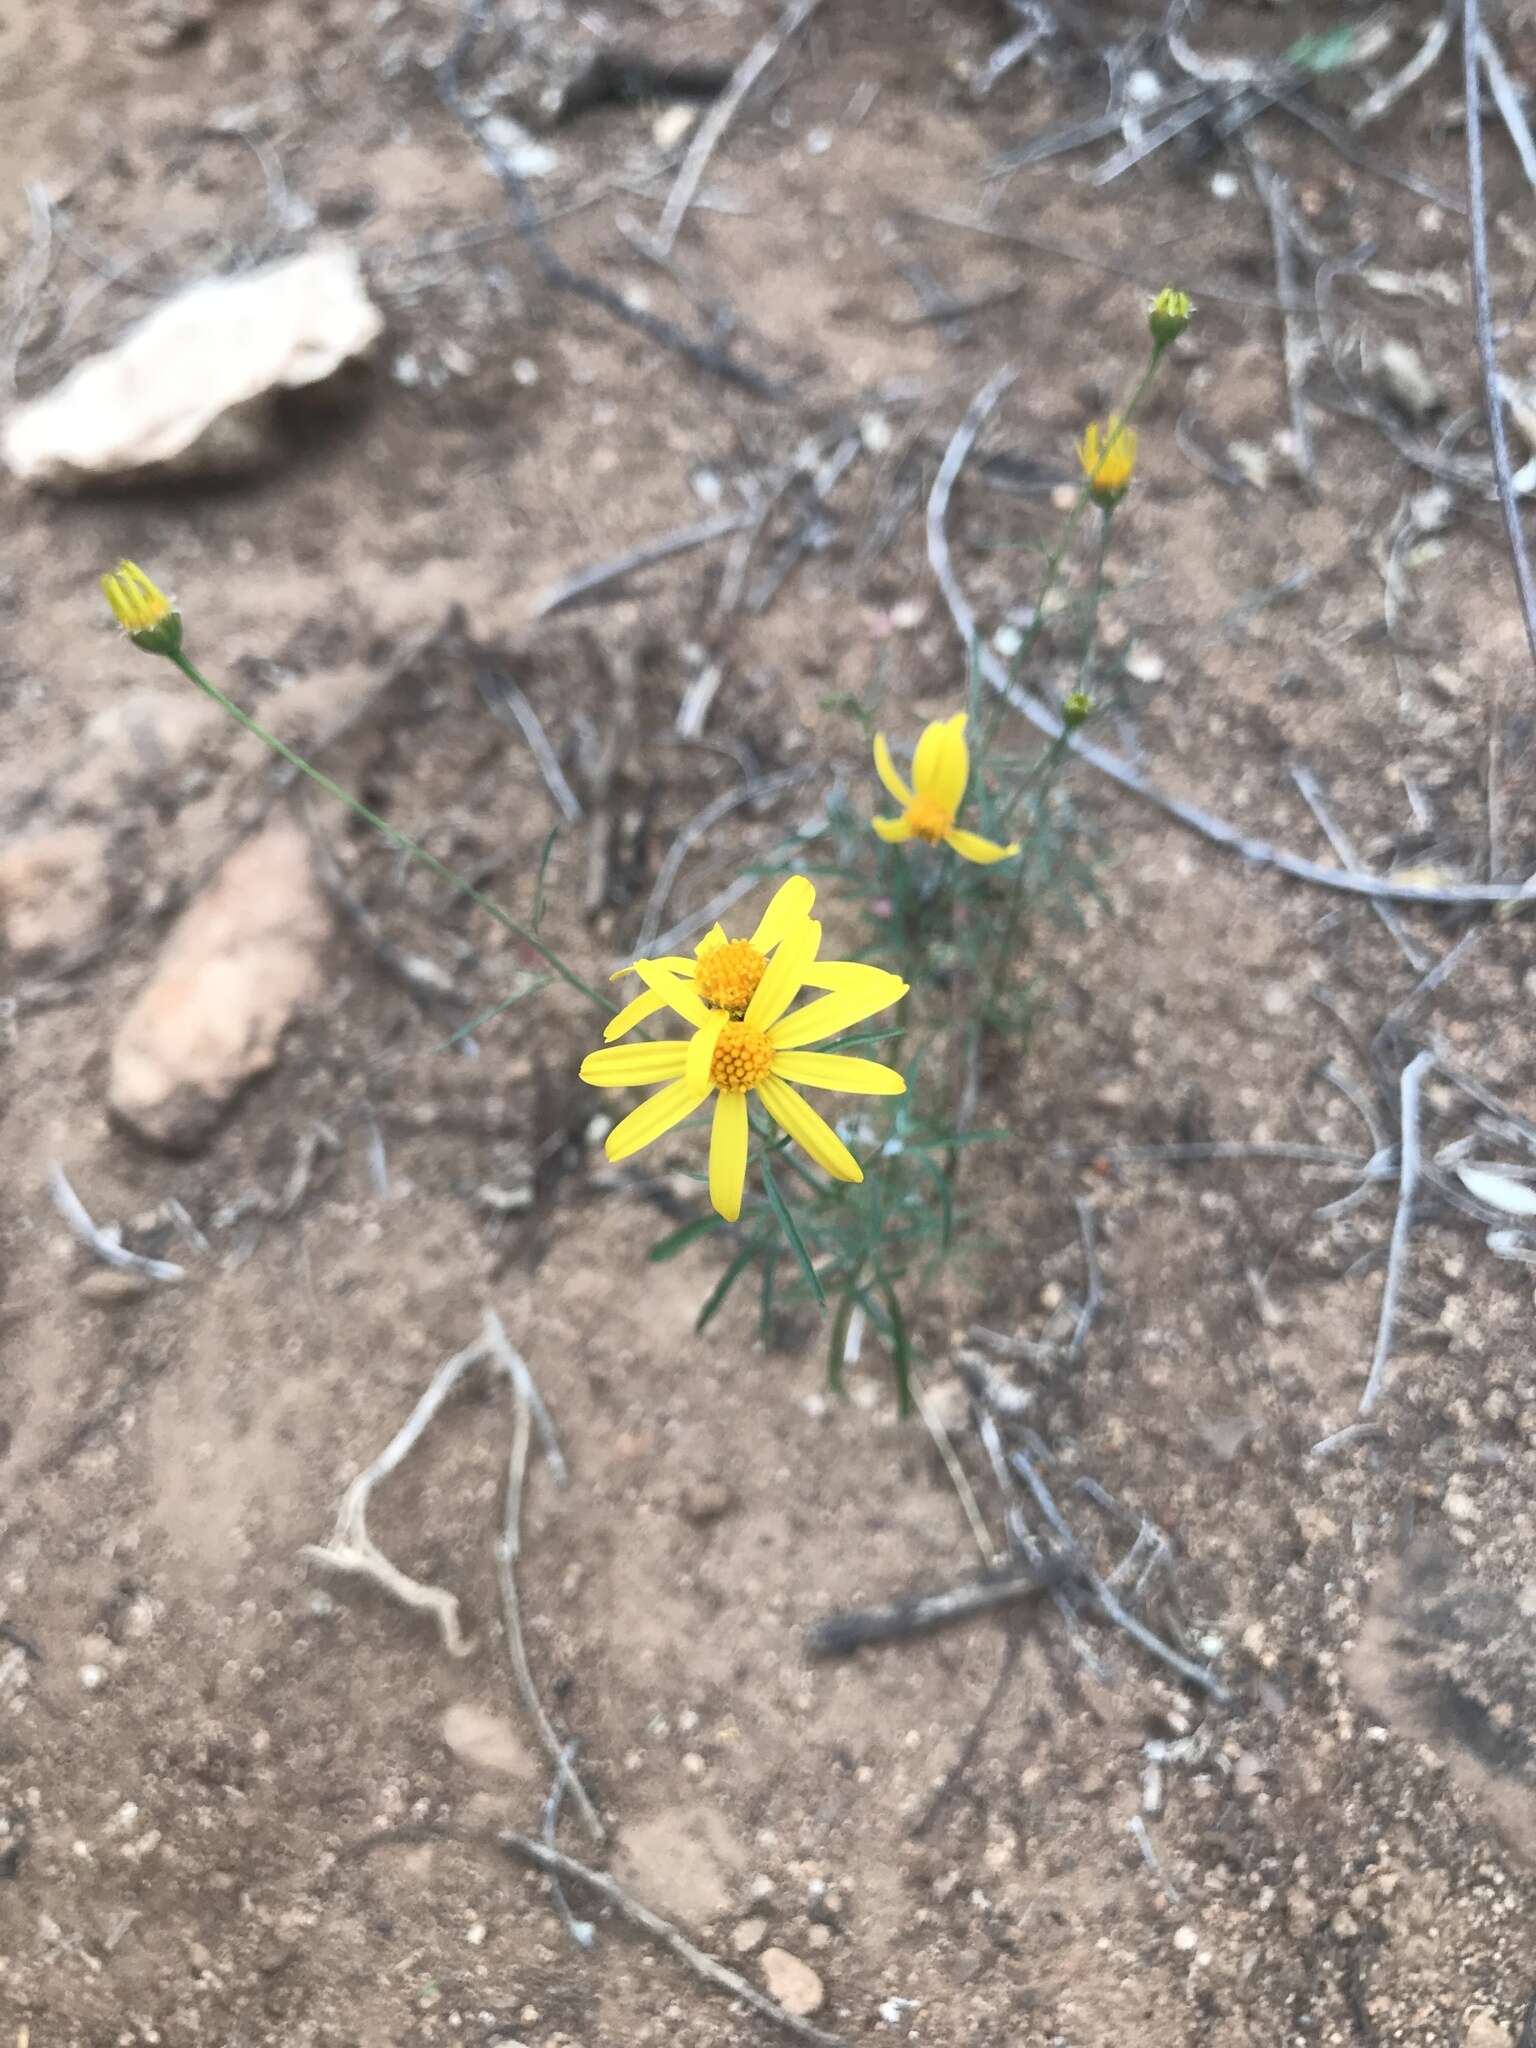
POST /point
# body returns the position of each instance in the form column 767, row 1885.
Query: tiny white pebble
column 475, row 1935
column 92, row 1677
column 1184, row 1940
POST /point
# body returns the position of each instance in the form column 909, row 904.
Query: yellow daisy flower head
column 1109, row 461
column 941, row 768
column 1168, row 315
column 763, row 1052
column 724, row 973
column 145, row 613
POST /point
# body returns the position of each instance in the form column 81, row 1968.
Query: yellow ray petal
column 728, row 1155
column 873, row 990
column 838, row 1070
column 653, row 1119
column 711, row 942
column 701, row 1051
column 953, row 769
column 677, row 962
column 885, row 768
column 631, row 1066
column 786, row 974
column 838, row 974
column 677, row 994
column 892, row 830
column 644, row 1005
column 925, row 758
column 971, row 846
column 791, row 901
column 808, row 1128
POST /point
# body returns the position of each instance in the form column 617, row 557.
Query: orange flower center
column 928, row 819
column 743, row 1058
column 727, row 978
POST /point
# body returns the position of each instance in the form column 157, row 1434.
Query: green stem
column 395, row 837
column 1058, row 554
column 1096, row 593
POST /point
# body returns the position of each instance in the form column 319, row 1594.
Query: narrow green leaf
column 791, row 1232
column 724, row 1284
column 901, row 1349
column 487, row 1016
column 538, row 886
column 679, row 1240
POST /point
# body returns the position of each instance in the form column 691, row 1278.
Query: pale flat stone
column 242, row 962
column 191, row 391
column 794, row 1984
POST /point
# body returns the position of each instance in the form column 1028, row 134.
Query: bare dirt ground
column 246, row 1803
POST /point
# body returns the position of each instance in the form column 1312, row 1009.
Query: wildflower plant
column 853, row 1204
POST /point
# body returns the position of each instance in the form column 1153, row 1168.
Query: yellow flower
column 941, row 768
column 762, row 1052
column 724, row 973
column 1108, row 463
column 144, row 612
column 1168, row 315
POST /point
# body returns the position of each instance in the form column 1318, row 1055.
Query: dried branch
column 1482, row 306
column 554, row 1864
column 1407, row 1184
column 104, row 1243
column 720, row 116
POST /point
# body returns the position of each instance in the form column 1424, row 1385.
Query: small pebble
column 706, row 1500
column 747, row 1935
column 1185, row 1940
column 794, row 1984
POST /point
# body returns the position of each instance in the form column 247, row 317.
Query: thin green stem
column 1096, row 594
column 1055, row 559
column 396, row 838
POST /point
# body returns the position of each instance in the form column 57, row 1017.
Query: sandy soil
column 243, row 1802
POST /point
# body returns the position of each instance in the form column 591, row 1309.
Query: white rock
column 191, row 391
column 1484, row 2031
column 747, row 1935
column 794, row 1984
column 1400, row 371
column 673, row 125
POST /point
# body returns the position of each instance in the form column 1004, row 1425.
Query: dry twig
column 1487, row 345
column 554, row 1864
column 585, row 583
column 720, row 116
column 105, row 1243
column 1407, row 1185
column 1312, row 796
column 505, row 701
column 838, row 1635
column 1297, row 347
